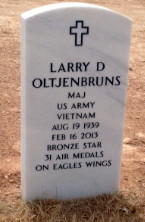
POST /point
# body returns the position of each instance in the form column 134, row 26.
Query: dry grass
column 107, row 208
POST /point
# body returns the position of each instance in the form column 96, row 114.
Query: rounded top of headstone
column 66, row 5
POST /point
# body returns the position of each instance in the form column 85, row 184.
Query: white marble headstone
column 74, row 77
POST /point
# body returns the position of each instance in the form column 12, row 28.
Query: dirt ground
column 133, row 160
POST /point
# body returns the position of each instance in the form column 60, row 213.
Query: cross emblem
column 79, row 30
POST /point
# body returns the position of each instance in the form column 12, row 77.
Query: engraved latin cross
column 79, row 30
